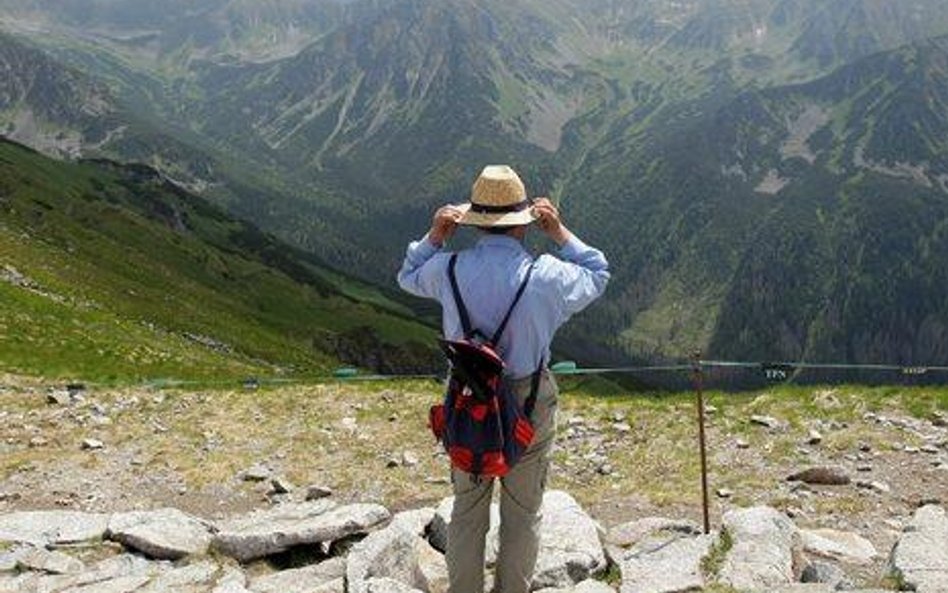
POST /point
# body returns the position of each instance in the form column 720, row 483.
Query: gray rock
column 431, row 572
column 117, row 585
column 280, row 485
column 587, row 586
column 836, row 545
column 317, row 492
column 58, row 397
column 43, row 528
column 766, row 421
column 765, row 545
column 268, row 532
column 52, row 562
column 232, row 581
column 387, row 585
column 628, row 534
column 256, row 473
column 667, row 563
column 827, row 574
column 920, row 558
column 389, row 553
column 832, row 476
column 165, row 534
column 193, row 578
column 92, row 444
column 302, row 580
column 570, row 546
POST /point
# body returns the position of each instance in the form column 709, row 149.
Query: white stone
column 42, row 528
column 302, row 580
column 765, row 543
column 665, row 563
column 166, row 534
column 264, row 533
column 838, row 545
column 920, row 558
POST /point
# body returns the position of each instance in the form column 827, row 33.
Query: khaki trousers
column 521, row 493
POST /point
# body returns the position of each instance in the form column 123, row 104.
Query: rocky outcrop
column 361, row 548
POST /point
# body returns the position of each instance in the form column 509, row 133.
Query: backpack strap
column 458, row 300
column 462, row 309
column 520, row 291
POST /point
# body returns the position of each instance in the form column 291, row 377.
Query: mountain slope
column 110, row 271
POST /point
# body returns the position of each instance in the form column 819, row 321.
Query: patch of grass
column 712, row 563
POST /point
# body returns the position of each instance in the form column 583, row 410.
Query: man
column 488, row 276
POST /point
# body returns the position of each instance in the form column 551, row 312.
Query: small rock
column 864, row 467
column 392, row 462
column 865, row 447
column 911, row 449
column 814, row 438
column 766, row 421
column 622, row 428
column 58, row 397
column 280, row 485
column 930, row 449
column 92, row 445
column 742, row 444
column 256, row 473
column 724, row 493
column 409, row 459
column 875, row 486
column 826, row 573
column 317, row 492
column 38, row 442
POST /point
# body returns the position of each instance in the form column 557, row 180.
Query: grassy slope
column 118, row 281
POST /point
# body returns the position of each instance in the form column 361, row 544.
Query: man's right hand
column 443, row 224
column 548, row 219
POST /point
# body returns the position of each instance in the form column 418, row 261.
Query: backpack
column 480, row 423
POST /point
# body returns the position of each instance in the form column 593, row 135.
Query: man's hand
column 548, row 219
column 443, row 224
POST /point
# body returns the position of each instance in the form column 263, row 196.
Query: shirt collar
column 504, row 241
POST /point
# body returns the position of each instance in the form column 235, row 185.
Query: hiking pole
column 697, row 377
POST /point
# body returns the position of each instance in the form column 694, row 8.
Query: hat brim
column 471, row 218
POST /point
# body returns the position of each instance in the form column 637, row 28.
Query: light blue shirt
column 489, row 275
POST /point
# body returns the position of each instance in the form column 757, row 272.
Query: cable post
column 697, row 378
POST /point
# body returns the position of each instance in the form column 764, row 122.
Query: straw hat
column 498, row 198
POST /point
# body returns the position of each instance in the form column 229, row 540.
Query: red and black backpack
column 481, row 424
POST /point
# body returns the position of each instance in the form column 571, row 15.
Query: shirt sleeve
column 422, row 273
column 581, row 276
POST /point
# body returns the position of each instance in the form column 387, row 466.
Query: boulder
column 325, row 576
column 665, row 563
column 390, row 553
column 836, row 545
column 765, row 545
column 44, row 528
column 264, row 533
column 628, row 534
column 431, row 572
column 165, row 534
column 52, row 562
column 920, row 557
column 570, row 546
